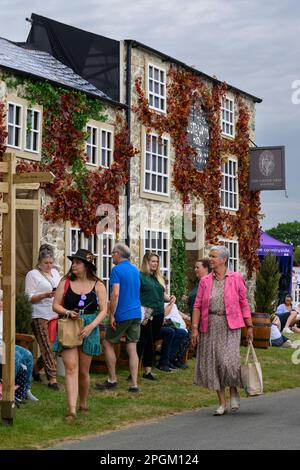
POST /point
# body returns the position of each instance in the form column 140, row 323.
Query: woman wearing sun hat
column 80, row 293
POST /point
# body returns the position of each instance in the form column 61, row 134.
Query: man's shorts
column 129, row 328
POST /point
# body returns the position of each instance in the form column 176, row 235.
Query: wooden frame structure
column 8, row 209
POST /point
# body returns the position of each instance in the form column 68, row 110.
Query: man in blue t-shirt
column 125, row 316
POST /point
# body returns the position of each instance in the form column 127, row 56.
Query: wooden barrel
column 261, row 330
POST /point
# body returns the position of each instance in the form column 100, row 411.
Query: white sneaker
column 222, row 410
column 287, row 330
column 235, row 403
column 31, row 397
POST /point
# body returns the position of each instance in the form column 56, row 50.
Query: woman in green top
column 153, row 295
column 202, row 268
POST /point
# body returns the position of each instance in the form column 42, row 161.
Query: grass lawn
column 41, row 424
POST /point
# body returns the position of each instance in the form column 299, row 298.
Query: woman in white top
column 40, row 285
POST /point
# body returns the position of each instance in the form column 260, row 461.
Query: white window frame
column 32, row 130
column 160, row 83
column 154, row 157
column 229, row 192
column 227, row 116
column 153, row 247
column 91, row 145
column 15, row 126
column 233, row 247
column 106, row 257
column 97, row 250
column 99, row 146
column 108, row 151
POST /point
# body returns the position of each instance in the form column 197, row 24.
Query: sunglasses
column 81, row 301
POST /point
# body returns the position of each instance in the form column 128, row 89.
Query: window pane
column 10, row 135
column 147, row 182
column 159, row 164
column 10, row 113
column 36, row 121
column 103, row 157
column 165, row 166
column 35, row 141
column 159, row 184
column 147, row 161
column 17, row 136
column 153, row 185
column 154, row 163
column 165, row 185
column 154, row 144
column 103, row 139
column 28, row 140
column 18, row 115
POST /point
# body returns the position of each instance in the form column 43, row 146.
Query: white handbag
column 251, row 374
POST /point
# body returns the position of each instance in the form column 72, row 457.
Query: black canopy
column 93, row 57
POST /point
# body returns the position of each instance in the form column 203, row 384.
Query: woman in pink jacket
column 220, row 311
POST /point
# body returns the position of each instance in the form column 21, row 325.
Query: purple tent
column 268, row 243
column 284, row 254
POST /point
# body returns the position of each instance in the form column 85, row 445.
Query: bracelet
column 67, row 313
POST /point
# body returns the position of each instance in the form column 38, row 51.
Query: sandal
column 84, row 409
column 70, row 417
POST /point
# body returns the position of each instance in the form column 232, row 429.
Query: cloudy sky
column 251, row 44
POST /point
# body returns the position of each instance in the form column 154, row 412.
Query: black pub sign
column 267, row 168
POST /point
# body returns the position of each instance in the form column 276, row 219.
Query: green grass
column 41, row 424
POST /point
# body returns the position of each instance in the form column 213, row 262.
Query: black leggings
column 149, row 334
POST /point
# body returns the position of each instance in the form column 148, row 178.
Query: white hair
column 123, row 250
column 222, row 250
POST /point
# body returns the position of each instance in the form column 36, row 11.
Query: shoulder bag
column 251, row 374
column 69, row 330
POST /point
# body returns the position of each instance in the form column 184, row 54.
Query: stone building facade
column 146, row 63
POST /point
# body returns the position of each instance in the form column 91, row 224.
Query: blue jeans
column 172, row 340
column 23, row 356
column 279, row 341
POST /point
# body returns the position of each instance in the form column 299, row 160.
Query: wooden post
column 8, row 209
column 9, row 291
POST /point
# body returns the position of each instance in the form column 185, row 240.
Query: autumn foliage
column 77, row 192
column 184, row 90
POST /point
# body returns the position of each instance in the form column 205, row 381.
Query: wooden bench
column 98, row 362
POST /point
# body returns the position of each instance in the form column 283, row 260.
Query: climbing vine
column 76, row 192
column 184, row 90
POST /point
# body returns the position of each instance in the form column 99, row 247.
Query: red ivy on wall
column 77, row 195
column 3, row 132
column 184, row 89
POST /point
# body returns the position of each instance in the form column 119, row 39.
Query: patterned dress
column 218, row 352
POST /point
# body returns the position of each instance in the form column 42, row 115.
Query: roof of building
column 40, row 64
column 192, row 69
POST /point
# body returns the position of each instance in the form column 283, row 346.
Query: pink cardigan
column 235, row 298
